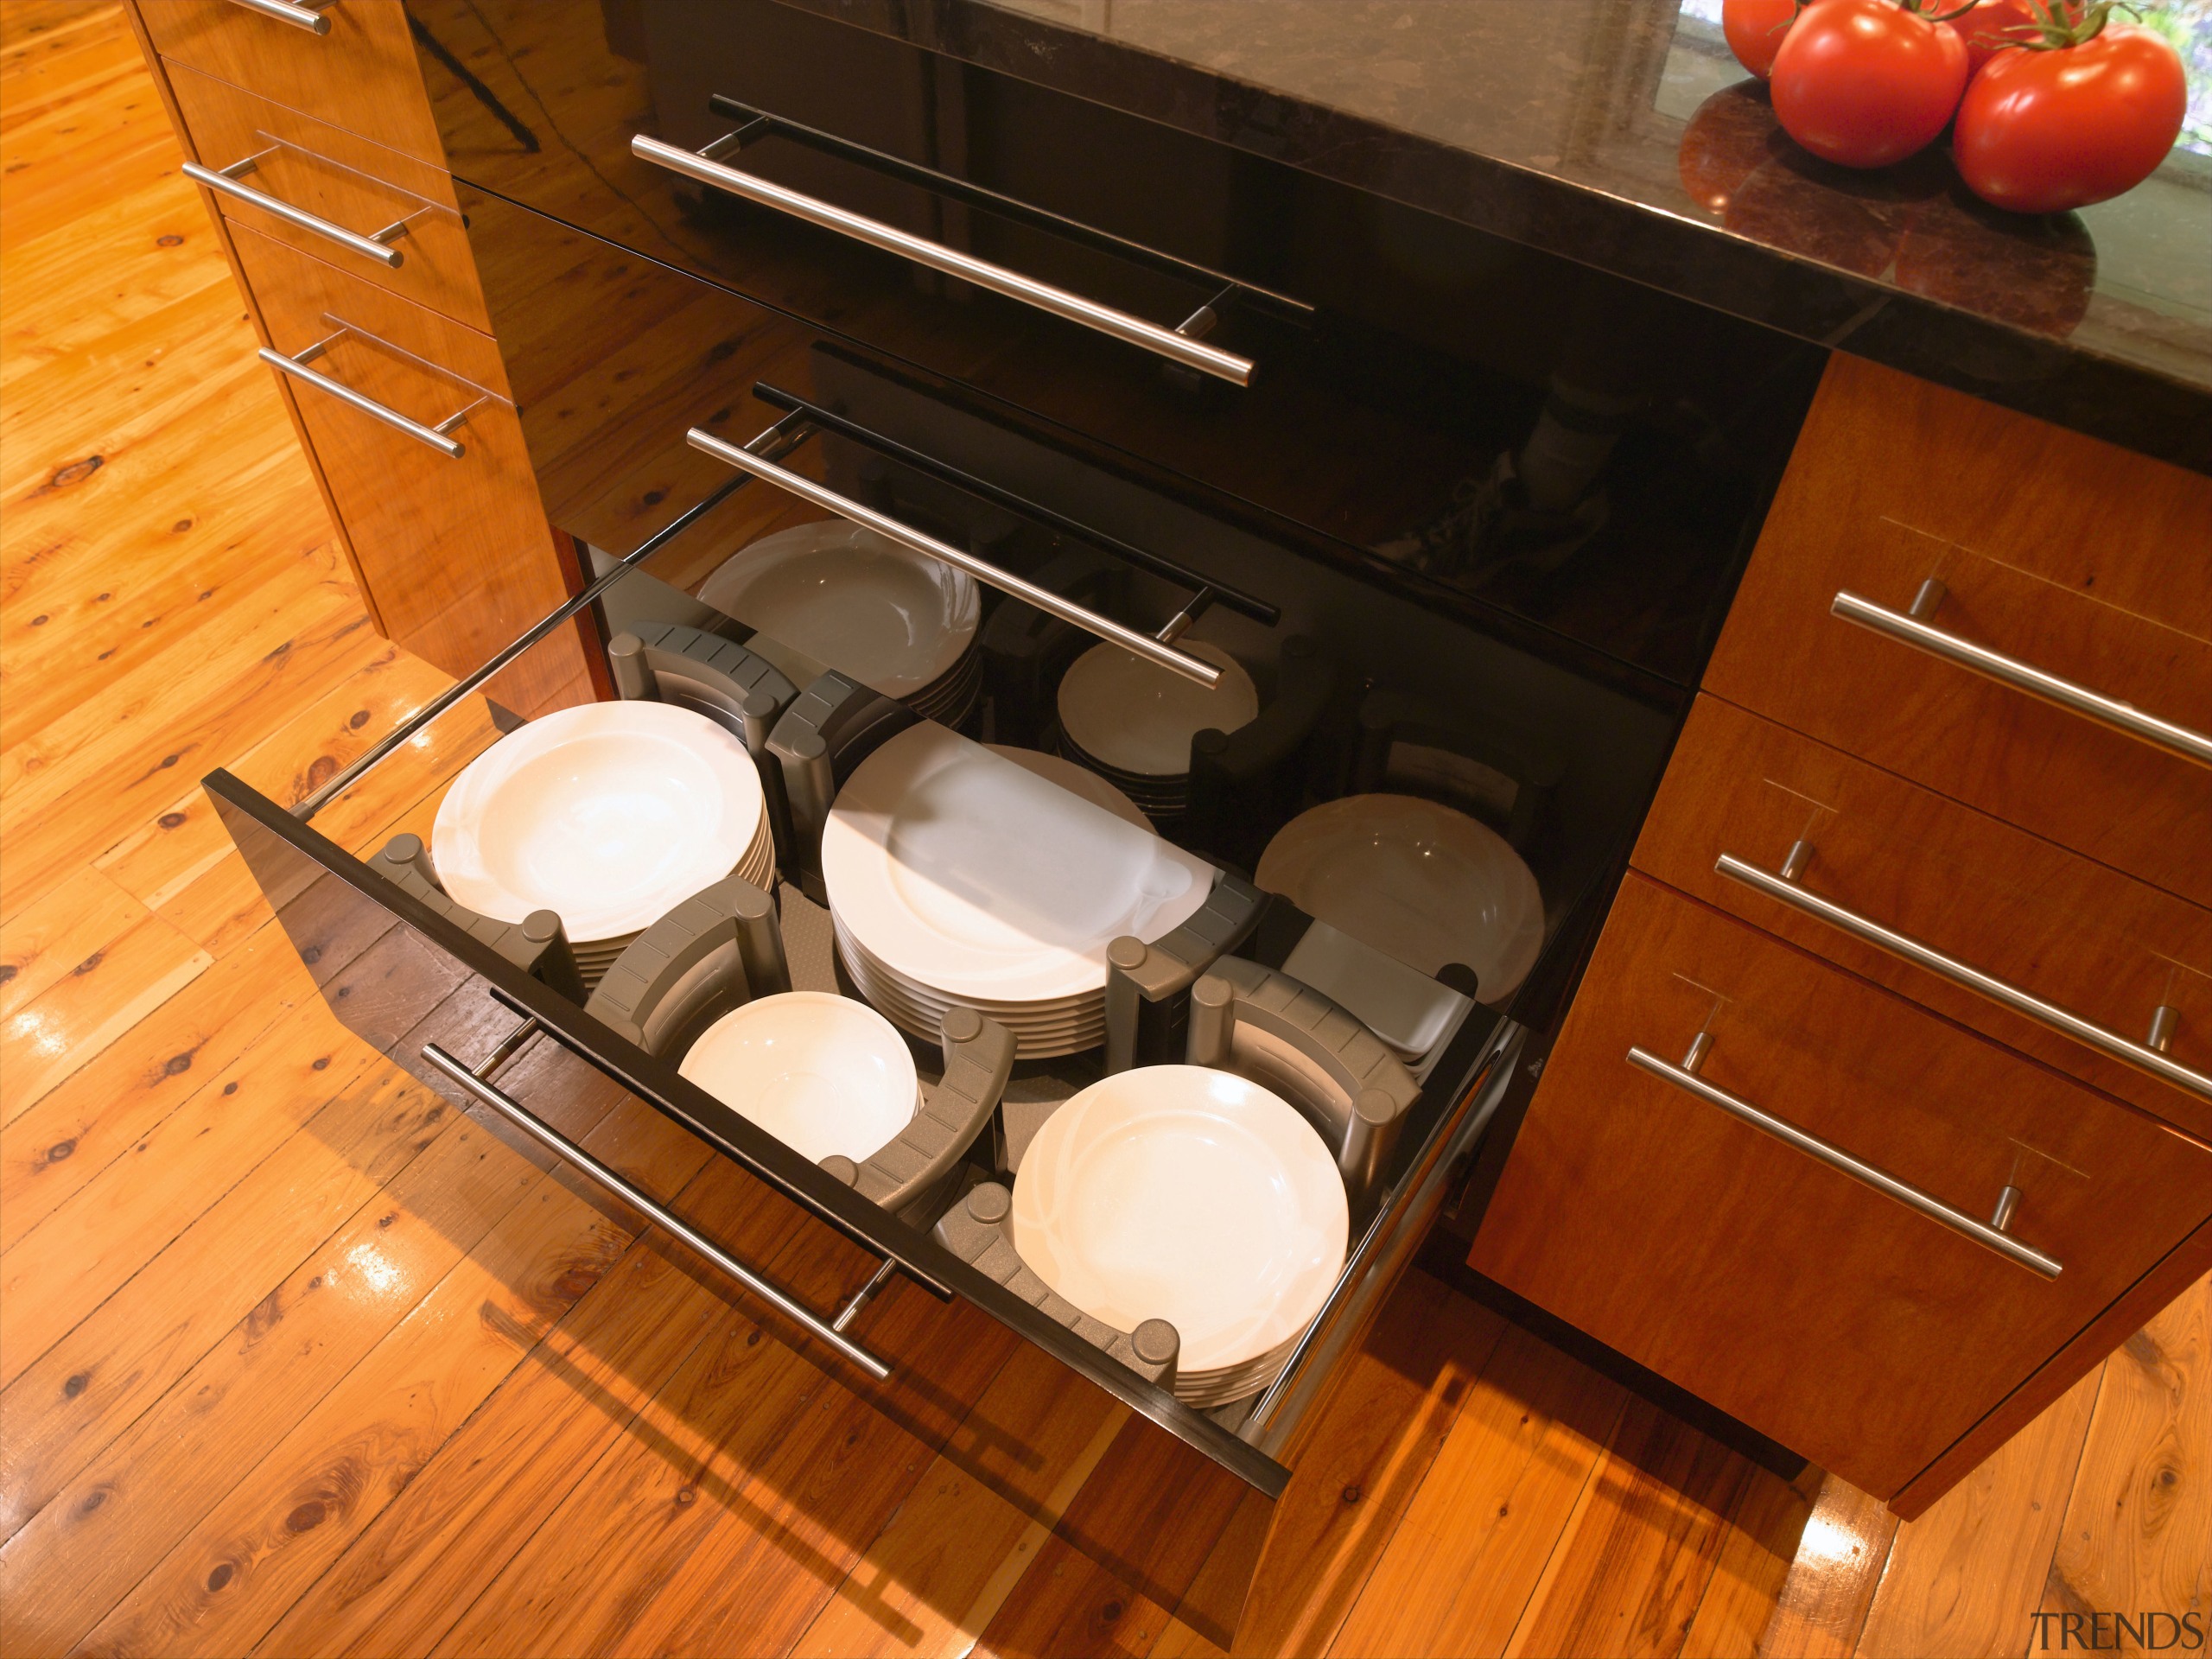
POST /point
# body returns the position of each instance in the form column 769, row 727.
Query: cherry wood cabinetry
column 2068, row 859
column 453, row 555
column 360, row 74
column 1788, row 1293
column 456, row 549
column 2054, row 924
column 2074, row 558
column 329, row 172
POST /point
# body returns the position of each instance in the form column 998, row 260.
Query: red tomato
column 1990, row 25
column 1754, row 29
column 1864, row 83
column 2043, row 131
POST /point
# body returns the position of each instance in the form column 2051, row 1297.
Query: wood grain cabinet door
column 2044, row 920
column 342, row 180
column 2061, row 553
column 1792, row 1294
column 454, row 553
column 360, row 73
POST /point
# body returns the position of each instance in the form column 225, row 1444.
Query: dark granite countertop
column 1619, row 133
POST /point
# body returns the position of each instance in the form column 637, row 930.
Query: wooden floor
column 295, row 1360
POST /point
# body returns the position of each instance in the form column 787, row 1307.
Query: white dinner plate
column 821, row 1073
column 1183, row 1194
column 923, row 1012
column 1138, row 717
column 1417, row 881
column 1077, row 780
column 894, row 619
column 611, row 814
column 966, row 874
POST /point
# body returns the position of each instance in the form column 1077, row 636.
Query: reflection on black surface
column 1435, row 353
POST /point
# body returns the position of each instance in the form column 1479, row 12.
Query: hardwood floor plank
column 916, row 1589
column 1178, row 1641
column 220, row 1589
column 183, row 865
column 137, row 771
column 95, row 1381
column 1386, row 1423
column 410, row 1572
column 644, row 1505
column 938, row 1572
column 1074, row 1609
column 176, row 703
column 186, row 369
column 88, row 148
column 52, row 1149
column 41, row 83
column 1841, row 1554
column 1964, row 1578
column 1764, row 1532
column 58, row 933
column 1459, row 1570
column 830, row 1489
column 1627, row 1577
column 64, row 637
column 123, row 259
column 65, row 1027
column 132, row 1504
column 31, row 29
column 2138, row 1533
column 88, row 1248
column 781, row 1546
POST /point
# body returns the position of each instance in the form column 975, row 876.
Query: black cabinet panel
column 1585, row 455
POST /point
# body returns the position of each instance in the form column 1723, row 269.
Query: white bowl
column 1416, row 880
column 1183, row 1194
column 894, row 619
column 1138, row 717
column 821, row 1073
column 611, row 814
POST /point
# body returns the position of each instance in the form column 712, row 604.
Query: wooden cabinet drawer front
column 361, row 75
column 1786, row 1292
column 456, row 554
column 2076, row 558
column 355, row 185
column 2045, row 921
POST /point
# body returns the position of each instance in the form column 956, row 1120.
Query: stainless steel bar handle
column 2021, row 676
column 1131, row 640
column 1187, row 349
column 284, row 11
column 391, row 417
column 2139, row 1055
column 1836, row 1158
column 368, row 247
column 666, row 1218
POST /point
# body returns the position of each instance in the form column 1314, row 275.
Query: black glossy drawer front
column 1496, row 428
column 615, row 358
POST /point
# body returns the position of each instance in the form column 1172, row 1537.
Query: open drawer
column 915, row 1322
column 674, row 463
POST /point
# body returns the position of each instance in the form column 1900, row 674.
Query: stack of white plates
column 1417, row 882
column 821, row 1073
column 1182, row 1193
column 899, row 622
column 1131, row 721
column 957, row 876
column 611, row 815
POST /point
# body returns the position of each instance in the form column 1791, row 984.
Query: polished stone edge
column 2106, row 397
